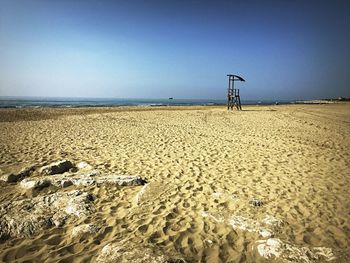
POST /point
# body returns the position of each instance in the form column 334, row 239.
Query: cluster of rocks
column 17, row 176
column 125, row 252
column 275, row 248
column 84, row 229
column 264, row 228
column 82, row 179
column 29, row 216
column 58, row 174
column 56, row 167
column 271, row 247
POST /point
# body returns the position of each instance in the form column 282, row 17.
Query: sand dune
column 203, row 167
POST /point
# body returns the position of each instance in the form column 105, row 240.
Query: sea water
column 39, row 102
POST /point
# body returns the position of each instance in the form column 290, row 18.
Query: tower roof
column 235, row 77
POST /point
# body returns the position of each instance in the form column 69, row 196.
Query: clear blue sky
column 181, row 49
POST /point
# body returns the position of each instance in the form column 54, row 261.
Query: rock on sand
column 29, row 216
column 58, row 167
column 125, row 252
column 284, row 252
column 15, row 177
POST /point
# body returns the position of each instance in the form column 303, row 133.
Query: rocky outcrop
column 18, row 176
column 58, row 167
column 125, row 252
column 274, row 248
column 251, row 225
column 85, row 229
column 60, row 178
column 37, row 183
column 284, row 252
column 29, row 216
column 91, row 178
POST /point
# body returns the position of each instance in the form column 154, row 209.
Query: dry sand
column 203, row 165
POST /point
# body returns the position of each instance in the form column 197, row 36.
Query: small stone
column 28, row 184
column 84, row 165
column 58, row 167
column 324, row 252
column 273, row 247
column 138, row 197
column 234, row 197
column 9, row 178
column 217, row 194
column 59, row 220
column 35, row 183
column 272, row 221
column 265, row 233
column 256, row 202
column 90, row 174
column 84, row 229
column 204, row 214
column 66, row 183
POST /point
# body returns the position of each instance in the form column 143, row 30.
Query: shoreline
column 42, row 113
column 96, row 103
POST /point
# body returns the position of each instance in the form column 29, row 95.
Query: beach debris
column 81, row 230
column 91, row 178
column 26, row 217
column 15, row 177
column 125, row 252
column 58, row 167
column 256, row 202
column 275, row 248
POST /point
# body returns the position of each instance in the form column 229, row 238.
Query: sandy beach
column 266, row 184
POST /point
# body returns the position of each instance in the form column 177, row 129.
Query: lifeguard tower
column 233, row 98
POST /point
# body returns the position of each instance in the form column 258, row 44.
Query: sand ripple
column 203, row 167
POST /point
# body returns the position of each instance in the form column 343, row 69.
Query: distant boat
column 171, row 98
